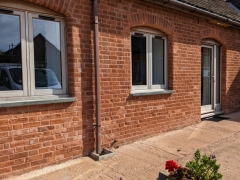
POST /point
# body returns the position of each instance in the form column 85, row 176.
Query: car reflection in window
column 44, row 78
column 16, row 74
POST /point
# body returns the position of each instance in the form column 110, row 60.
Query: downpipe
column 97, row 77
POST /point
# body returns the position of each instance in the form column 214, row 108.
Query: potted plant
column 201, row 167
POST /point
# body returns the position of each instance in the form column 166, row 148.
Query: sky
column 9, row 31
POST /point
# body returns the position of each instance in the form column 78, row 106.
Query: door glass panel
column 218, row 75
column 10, row 53
column 138, row 60
column 206, row 76
column 47, row 54
column 157, row 61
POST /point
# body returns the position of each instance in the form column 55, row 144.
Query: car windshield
column 43, row 77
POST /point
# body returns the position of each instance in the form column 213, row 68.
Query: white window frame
column 27, row 51
column 37, row 92
column 150, row 33
column 23, row 52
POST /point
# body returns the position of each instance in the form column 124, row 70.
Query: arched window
column 32, row 51
column 148, row 58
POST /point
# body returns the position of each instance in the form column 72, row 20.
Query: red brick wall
column 126, row 118
column 33, row 137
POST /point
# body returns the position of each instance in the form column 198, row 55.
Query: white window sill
column 146, row 92
column 27, row 101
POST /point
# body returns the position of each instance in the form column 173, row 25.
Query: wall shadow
column 87, row 87
column 233, row 93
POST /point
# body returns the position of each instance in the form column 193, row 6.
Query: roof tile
column 219, row 7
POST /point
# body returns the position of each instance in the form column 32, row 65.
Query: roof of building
column 229, row 9
column 219, row 7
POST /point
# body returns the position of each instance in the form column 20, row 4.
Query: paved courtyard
column 144, row 160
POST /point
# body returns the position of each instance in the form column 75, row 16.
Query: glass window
column 32, row 54
column 5, row 81
column 47, row 54
column 46, row 78
column 157, row 61
column 10, row 51
column 16, row 75
column 139, row 60
column 218, row 75
column 206, row 76
column 148, row 60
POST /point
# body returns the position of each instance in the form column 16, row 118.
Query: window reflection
column 10, row 51
column 157, row 61
column 139, row 60
column 206, row 76
column 47, row 54
column 218, row 87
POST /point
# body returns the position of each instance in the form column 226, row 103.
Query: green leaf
column 203, row 167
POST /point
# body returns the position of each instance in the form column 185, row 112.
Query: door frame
column 214, row 107
column 209, row 108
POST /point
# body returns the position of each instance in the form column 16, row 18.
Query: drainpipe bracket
column 96, row 125
column 95, row 22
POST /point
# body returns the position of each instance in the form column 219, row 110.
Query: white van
column 11, row 78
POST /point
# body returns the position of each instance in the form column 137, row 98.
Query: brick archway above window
column 65, row 7
column 213, row 34
column 150, row 20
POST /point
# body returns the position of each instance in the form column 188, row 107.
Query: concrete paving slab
column 233, row 117
column 144, row 160
column 70, row 170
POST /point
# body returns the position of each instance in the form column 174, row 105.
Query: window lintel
column 148, row 30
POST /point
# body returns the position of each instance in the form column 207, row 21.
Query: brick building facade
column 43, row 134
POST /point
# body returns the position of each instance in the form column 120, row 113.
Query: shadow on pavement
column 162, row 176
column 215, row 118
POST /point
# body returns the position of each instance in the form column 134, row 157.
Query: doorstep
column 204, row 115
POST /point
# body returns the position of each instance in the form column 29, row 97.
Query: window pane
column 206, row 76
column 10, row 52
column 47, row 54
column 157, row 61
column 138, row 60
column 218, row 75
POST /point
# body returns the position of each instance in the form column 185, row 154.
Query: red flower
column 171, row 165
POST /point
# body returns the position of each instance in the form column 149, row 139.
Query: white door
column 210, row 79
